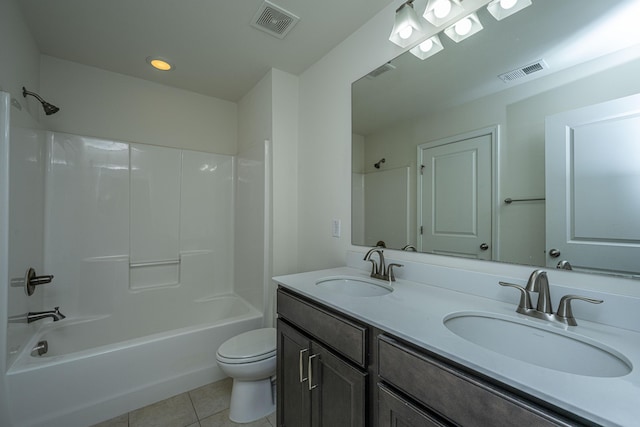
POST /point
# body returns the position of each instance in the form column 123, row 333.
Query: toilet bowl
column 250, row 359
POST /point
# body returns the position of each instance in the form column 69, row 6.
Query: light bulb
column 441, row 8
column 507, row 4
column 405, row 32
column 426, row 45
column 161, row 65
column 463, row 26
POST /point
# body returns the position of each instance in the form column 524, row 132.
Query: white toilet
column 250, row 359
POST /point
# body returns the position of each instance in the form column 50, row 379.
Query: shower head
column 49, row 109
column 377, row 165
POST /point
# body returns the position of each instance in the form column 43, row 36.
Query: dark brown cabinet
column 396, row 411
column 294, row 402
column 335, row 371
column 456, row 398
column 318, row 382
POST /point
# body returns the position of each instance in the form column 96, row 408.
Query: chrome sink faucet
column 55, row 314
column 538, row 282
column 378, row 269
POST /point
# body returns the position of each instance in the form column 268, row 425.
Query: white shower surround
column 128, row 345
column 111, row 206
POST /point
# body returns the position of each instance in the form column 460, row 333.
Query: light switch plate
column 336, row 227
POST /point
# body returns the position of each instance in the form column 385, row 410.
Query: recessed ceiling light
column 160, row 63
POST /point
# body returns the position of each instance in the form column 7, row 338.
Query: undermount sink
column 538, row 346
column 355, row 286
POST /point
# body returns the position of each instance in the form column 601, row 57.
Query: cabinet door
column 294, row 403
column 395, row 411
column 338, row 395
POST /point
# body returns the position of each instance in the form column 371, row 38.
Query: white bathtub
column 97, row 368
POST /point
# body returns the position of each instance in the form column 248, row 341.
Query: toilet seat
column 251, row 346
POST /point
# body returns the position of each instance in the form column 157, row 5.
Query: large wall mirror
column 449, row 152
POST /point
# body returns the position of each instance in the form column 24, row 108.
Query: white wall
column 284, row 196
column 285, row 171
column 19, row 62
column 103, row 104
column 269, row 112
column 255, row 127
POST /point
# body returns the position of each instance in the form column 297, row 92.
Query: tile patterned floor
column 207, row 406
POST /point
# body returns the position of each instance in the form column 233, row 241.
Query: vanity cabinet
column 417, row 389
column 322, row 368
column 335, row 371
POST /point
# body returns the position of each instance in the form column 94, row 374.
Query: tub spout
column 55, row 314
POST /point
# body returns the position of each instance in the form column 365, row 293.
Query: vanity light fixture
column 161, row 64
column 406, row 28
column 438, row 12
column 501, row 9
column 428, row 48
column 464, row 28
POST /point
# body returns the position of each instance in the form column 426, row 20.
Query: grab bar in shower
column 154, row 263
column 509, row 200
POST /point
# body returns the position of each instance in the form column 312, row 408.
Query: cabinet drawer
column 396, row 411
column 342, row 335
column 453, row 394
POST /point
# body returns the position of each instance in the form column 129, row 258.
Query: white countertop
column 415, row 312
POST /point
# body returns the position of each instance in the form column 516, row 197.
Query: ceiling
column 211, row 42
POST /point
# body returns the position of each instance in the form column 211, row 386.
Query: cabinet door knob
column 311, row 385
column 302, row 377
column 484, row 246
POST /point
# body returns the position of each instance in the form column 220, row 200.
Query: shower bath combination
column 49, row 109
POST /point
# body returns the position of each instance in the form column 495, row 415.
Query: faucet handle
column 392, row 277
column 565, row 314
column 374, row 266
column 525, row 299
column 31, row 281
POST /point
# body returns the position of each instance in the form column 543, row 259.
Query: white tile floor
column 207, row 406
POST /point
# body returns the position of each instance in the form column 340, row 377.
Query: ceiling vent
column 274, row 20
column 523, row 71
column 382, row 69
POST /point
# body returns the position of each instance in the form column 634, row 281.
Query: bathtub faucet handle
column 31, row 281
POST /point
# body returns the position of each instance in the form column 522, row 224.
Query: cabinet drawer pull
column 311, row 385
column 300, row 364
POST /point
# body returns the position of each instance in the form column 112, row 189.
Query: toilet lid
column 249, row 346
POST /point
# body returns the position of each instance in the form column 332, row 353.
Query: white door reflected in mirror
column 593, row 186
